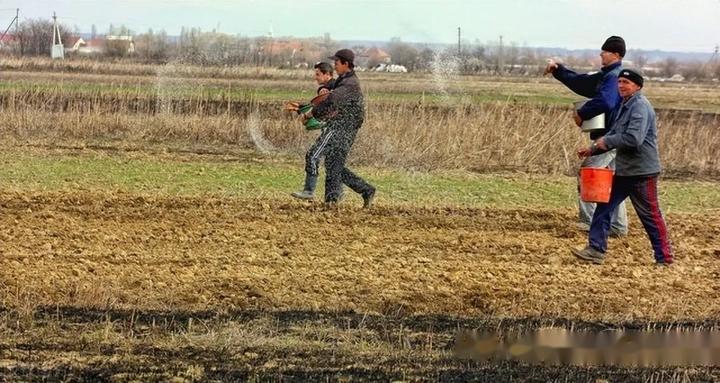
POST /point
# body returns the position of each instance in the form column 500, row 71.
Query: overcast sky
column 670, row 25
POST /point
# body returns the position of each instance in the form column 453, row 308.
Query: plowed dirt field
column 86, row 249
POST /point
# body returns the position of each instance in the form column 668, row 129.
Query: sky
column 669, row 25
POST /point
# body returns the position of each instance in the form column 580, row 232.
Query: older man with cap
column 345, row 107
column 634, row 135
column 601, row 88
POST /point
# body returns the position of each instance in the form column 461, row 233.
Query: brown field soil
column 116, row 287
column 93, row 249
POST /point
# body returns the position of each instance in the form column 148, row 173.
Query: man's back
column 346, row 100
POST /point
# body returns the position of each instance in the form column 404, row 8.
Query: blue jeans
column 587, row 209
column 642, row 191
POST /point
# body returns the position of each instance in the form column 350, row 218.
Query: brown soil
column 111, row 250
column 117, row 287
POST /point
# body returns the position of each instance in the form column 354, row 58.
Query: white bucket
column 595, row 123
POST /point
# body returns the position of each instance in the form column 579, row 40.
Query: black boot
column 308, row 191
column 368, row 197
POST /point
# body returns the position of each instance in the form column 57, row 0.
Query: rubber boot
column 308, row 191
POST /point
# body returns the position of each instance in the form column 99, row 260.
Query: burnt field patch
column 81, row 344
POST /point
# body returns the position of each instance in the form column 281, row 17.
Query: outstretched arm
column 582, row 84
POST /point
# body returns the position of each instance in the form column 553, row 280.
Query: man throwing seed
column 601, row 88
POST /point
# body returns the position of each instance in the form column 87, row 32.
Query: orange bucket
column 595, row 184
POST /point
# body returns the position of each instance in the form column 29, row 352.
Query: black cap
column 614, row 44
column 344, row 54
column 633, row 76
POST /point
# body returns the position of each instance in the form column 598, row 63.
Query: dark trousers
column 316, row 152
column 642, row 191
column 336, row 174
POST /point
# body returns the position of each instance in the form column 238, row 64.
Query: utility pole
column 459, row 48
column 270, row 50
column 501, row 60
column 714, row 58
column 58, row 50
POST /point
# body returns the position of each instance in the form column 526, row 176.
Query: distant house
column 292, row 52
column 127, row 42
column 372, row 57
column 8, row 38
column 286, row 46
column 92, row 46
column 7, row 41
column 379, row 55
column 73, row 44
column 99, row 45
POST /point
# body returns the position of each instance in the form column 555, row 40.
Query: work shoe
column 589, row 254
column 614, row 233
column 582, row 226
column 304, row 195
column 663, row 262
column 368, row 198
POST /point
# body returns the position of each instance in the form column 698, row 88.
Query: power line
column 14, row 21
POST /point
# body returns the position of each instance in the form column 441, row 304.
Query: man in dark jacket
column 634, row 136
column 601, row 88
column 346, row 110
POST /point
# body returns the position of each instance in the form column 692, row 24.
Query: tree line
column 194, row 46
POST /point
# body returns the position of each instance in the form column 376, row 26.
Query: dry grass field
column 147, row 234
column 421, row 122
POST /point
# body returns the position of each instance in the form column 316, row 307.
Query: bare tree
column 640, row 59
column 669, row 67
column 512, row 57
column 35, row 37
column 403, row 53
column 425, row 59
column 696, row 71
column 153, row 46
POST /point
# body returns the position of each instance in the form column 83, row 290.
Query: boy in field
column 324, row 78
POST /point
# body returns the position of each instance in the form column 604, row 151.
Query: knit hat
column 614, row 44
column 633, row 76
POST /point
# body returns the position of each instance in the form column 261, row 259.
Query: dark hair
column 325, row 68
column 350, row 64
